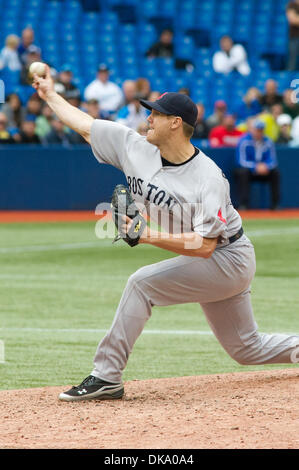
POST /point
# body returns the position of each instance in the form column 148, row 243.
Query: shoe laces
column 88, row 381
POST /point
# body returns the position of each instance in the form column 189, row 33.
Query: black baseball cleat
column 91, row 388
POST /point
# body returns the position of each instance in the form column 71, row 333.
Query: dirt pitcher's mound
column 240, row 410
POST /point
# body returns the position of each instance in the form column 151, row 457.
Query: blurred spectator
column 271, row 95
column 143, row 87
column 201, row 130
column 268, row 117
column 5, row 136
column 108, row 94
column 27, row 40
column 43, row 122
column 64, row 83
column 292, row 13
column 231, row 57
column 154, row 95
column 9, row 57
column 290, row 106
column 142, row 128
column 216, row 119
column 132, row 114
column 14, row 111
column 129, row 91
column 33, row 54
column 164, row 47
column 225, row 135
column 250, row 106
column 256, row 161
column 92, row 108
column 184, row 91
column 34, row 106
column 74, row 101
column 284, row 122
column 245, row 126
column 74, row 138
column 28, row 134
column 58, row 133
column 276, row 110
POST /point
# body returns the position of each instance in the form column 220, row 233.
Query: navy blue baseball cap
column 174, row 104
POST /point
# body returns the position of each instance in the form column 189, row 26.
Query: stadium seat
column 148, row 9
column 185, row 21
column 186, row 6
column 244, row 6
column 147, row 70
column 184, row 47
column 107, row 17
column 158, row 84
column 264, row 7
column 168, row 8
column 241, row 33
column 204, row 20
column 10, row 77
column 23, row 91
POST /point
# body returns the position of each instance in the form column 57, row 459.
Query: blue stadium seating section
column 85, row 33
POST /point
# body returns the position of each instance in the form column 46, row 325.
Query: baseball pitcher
column 185, row 191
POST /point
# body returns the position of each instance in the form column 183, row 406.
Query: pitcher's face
column 159, row 128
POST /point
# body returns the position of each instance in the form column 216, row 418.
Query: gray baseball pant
column 220, row 284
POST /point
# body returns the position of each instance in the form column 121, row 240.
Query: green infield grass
column 60, row 286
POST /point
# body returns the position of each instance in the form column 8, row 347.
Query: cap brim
column 154, row 105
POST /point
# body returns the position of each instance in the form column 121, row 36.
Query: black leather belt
column 236, row 236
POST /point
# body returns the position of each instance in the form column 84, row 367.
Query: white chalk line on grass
column 50, row 247
column 100, row 330
column 275, row 231
column 60, row 277
column 91, row 330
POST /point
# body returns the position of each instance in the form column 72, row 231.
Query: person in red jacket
column 226, row 135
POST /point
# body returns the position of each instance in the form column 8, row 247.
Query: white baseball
column 39, row 68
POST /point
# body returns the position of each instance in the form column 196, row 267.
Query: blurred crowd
column 34, row 122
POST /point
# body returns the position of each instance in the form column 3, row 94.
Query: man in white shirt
column 9, row 56
column 231, row 57
column 133, row 114
column 107, row 93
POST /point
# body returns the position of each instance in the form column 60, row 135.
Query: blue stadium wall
column 59, row 178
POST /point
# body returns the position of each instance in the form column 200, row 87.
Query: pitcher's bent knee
column 137, row 277
column 244, row 359
column 147, row 284
column 248, row 354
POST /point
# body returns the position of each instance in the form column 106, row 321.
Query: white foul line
column 101, row 330
column 275, row 231
column 90, row 330
column 53, row 247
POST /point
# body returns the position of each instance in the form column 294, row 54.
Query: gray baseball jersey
column 220, row 284
column 194, row 196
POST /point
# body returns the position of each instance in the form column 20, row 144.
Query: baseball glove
column 123, row 204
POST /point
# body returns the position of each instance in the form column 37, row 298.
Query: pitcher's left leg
column 233, row 324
